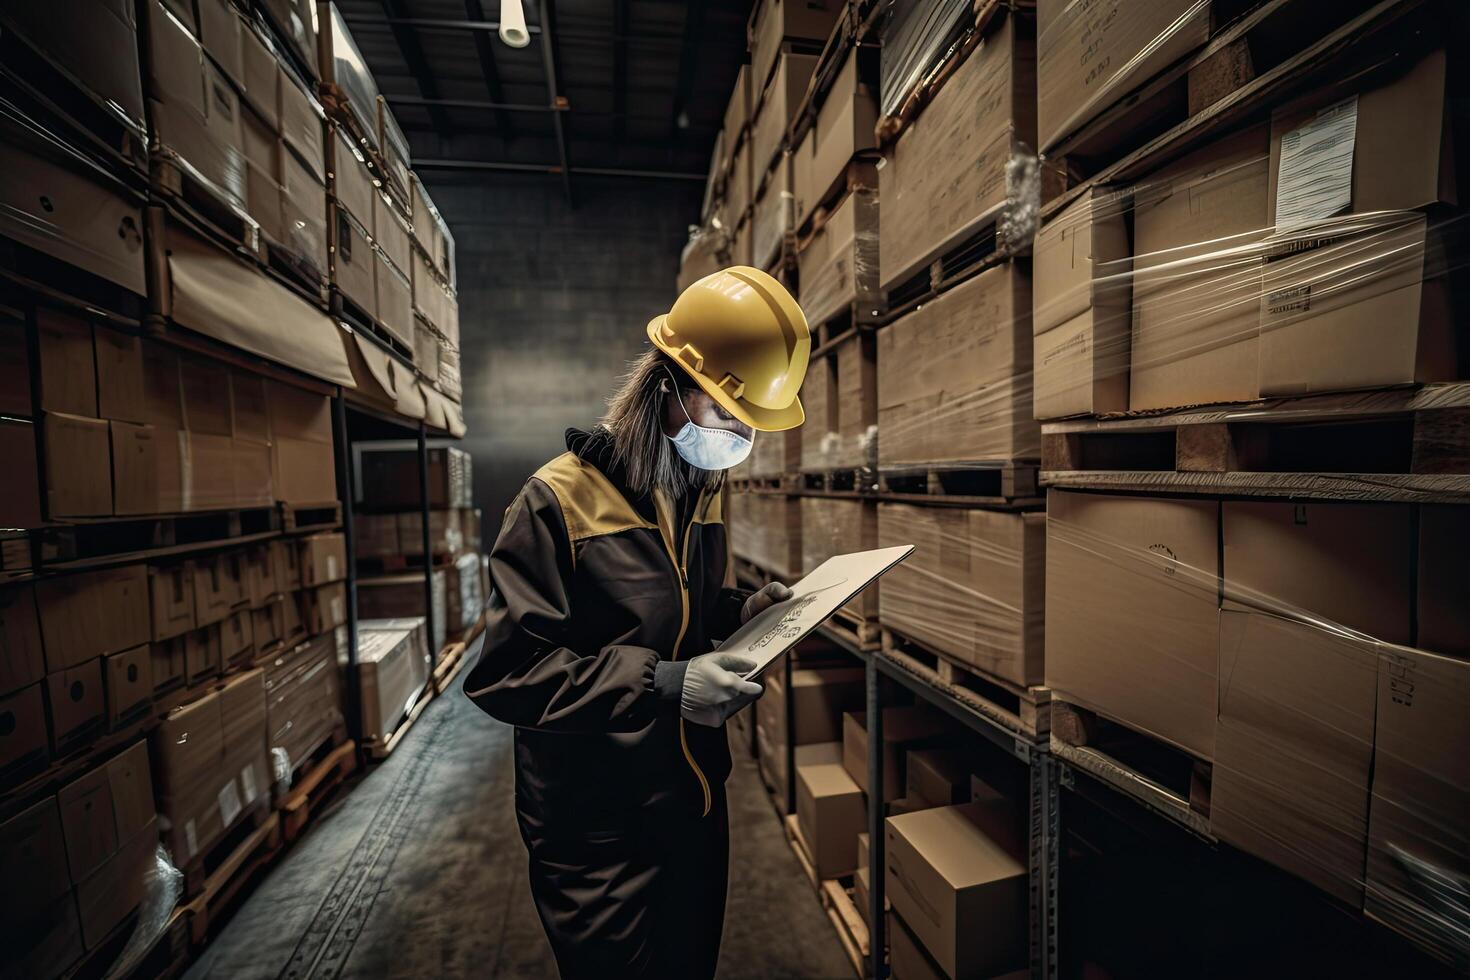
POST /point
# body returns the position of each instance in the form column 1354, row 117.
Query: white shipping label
column 229, row 803
column 191, row 838
column 1315, row 179
column 338, row 613
column 332, row 568
column 247, row 784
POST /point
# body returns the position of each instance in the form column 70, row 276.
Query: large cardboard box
column 303, row 212
column 838, row 263
column 96, row 46
column 957, row 876
column 262, row 151
column 737, row 115
column 303, row 699
column 128, row 682
column 765, row 530
column 835, row 526
column 303, row 462
column 301, row 124
column 402, row 596
column 903, row 727
column 840, row 396
column 324, row 608
column 1198, row 228
column 1090, row 56
column 24, row 662
column 94, row 613
column 76, row 706
column 778, row 104
column 394, row 298
column 954, row 376
column 951, row 169
column 349, row 180
column 843, row 128
column 819, row 697
column 392, row 668
column 121, row 385
column 1082, row 288
column 831, row 812
column 974, row 588
column 20, row 495
column 38, row 922
column 1132, row 611
column 1417, row 834
column 260, row 89
column 172, row 591
column 78, row 468
column 936, row 776
column 1443, row 590
column 25, row 747
column 906, row 957
column 323, row 558
column 104, row 809
column 352, row 262
column 68, row 368
column 774, row 22
column 106, row 898
column 771, row 214
column 1361, row 300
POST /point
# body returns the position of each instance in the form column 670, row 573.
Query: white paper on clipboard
column 827, row 589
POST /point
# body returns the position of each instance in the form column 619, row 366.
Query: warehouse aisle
column 420, row 872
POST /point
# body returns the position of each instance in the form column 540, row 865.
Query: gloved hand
column 713, row 689
column 764, row 599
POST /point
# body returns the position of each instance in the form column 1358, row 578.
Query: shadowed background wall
column 553, row 304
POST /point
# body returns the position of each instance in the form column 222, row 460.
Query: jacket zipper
column 680, row 562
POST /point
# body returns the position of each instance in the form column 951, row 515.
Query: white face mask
column 709, row 449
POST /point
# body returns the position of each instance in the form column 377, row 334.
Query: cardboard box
column 128, row 678
column 843, row 129
column 1443, row 603
column 838, row 262
column 136, row 469
column 68, row 368
column 25, row 746
column 33, row 850
column 324, row 607
column 262, row 76
column 1416, row 826
column 936, row 777
column 203, row 654
column 737, row 115
column 166, row 663
column 162, row 387
column 87, row 822
column 352, row 261
column 834, row 526
column 390, row 233
column 819, row 697
column 350, row 182
column 773, row 22
column 268, row 622
column 902, row 727
column 957, row 876
column 260, row 574
column 20, row 496
column 377, row 535
column 1198, row 229
column 778, row 105
column 93, row 613
column 1112, row 563
column 121, row 388
column 261, row 147
column 323, row 558
column 974, row 589
column 771, row 754
column 172, row 590
column 219, row 32
column 1082, row 293
column 303, row 213
column 466, row 601
column 954, row 376
column 76, row 705
column 99, row 52
column 771, row 214
column 287, row 558
column 446, row 537
column 15, row 366
column 78, row 471
column 392, row 668
column 402, row 596
column 303, row 699
column 831, row 812
column 24, row 663
column 394, row 298
column 117, row 888
column 216, row 590
column 1091, row 56
column 237, row 638
column 765, row 530
column 301, row 124
column 906, row 957
column 947, row 172
column 303, row 462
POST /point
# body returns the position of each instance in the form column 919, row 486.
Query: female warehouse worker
column 608, row 598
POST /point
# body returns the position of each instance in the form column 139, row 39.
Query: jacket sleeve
column 727, row 612
column 531, row 672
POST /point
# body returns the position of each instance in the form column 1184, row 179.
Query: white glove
column 760, row 601
column 714, row 690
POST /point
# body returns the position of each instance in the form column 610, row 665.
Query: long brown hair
column 635, row 419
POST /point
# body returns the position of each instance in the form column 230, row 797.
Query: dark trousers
column 642, row 898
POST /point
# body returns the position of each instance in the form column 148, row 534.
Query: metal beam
column 418, row 65
column 551, row 168
column 485, row 51
column 553, row 91
column 620, row 69
column 474, row 104
column 493, row 27
column 688, row 57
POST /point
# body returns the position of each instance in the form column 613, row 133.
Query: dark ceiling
column 630, row 71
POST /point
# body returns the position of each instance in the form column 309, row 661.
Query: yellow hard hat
column 743, row 339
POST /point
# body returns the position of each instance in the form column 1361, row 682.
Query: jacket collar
column 596, row 447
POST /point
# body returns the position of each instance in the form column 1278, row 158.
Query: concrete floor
column 419, row 871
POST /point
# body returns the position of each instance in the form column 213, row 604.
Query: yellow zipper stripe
column 681, row 569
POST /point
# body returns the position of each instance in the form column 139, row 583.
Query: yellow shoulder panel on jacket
column 590, row 504
column 713, row 511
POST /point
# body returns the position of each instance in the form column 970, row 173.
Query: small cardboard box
column 87, row 615
column 87, row 822
column 778, row 105
column 237, row 638
column 172, row 589
column 24, row 662
column 775, row 21
column 843, row 129
column 34, row 850
column 76, row 705
column 902, row 727
column 128, row 677
column 1082, row 293
column 78, row 466
column 106, row 898
column 166, row 663
column 121, row 393
column 260, row 574
column 68, row 368
column 216, row 591
column 831, row 813
column 957, row 876
column 819, row 698
column 324, row 607
column 25, row 745
column 936, row 777
column 1111, row 564
column 287, row 559
column 20, row 495
column 202, row 654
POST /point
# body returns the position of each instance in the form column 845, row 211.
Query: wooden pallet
column 315, row 780
column 295, row 271
column 852, row 480
column 310, row 518
column 847, row 920
column 1158, row 775
column 1253, row 62
column 110, row 541
column 452, row 660
column 1407, row 444
column 190, row 196
column 379, row 749
column 38, row 773
column 852, row 629
column 236, row 868
column 1026, row 711
column 803, row 853
column 993, row 237
column 1001, row 483
column 16, row 560
column 343, row 307
column 785, row 483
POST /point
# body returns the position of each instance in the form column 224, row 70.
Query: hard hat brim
column 758, row 418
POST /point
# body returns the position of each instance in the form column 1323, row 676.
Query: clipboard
column 814, row 599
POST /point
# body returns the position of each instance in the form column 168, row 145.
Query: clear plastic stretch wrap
column 303, row 702
column 765, row 530
column 967, row 160
column 954, row 376
column 973, row 588
column 1310, row 254
column 772, row 215
column 839, row 261
column 344, row 66
column 162, row 887
column 916, row 40
column 840, row 396
column 834, row 526
column 774, row 454
column 703, row 254
column 1315, row 654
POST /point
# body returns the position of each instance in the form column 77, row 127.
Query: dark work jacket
column 589, row 587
